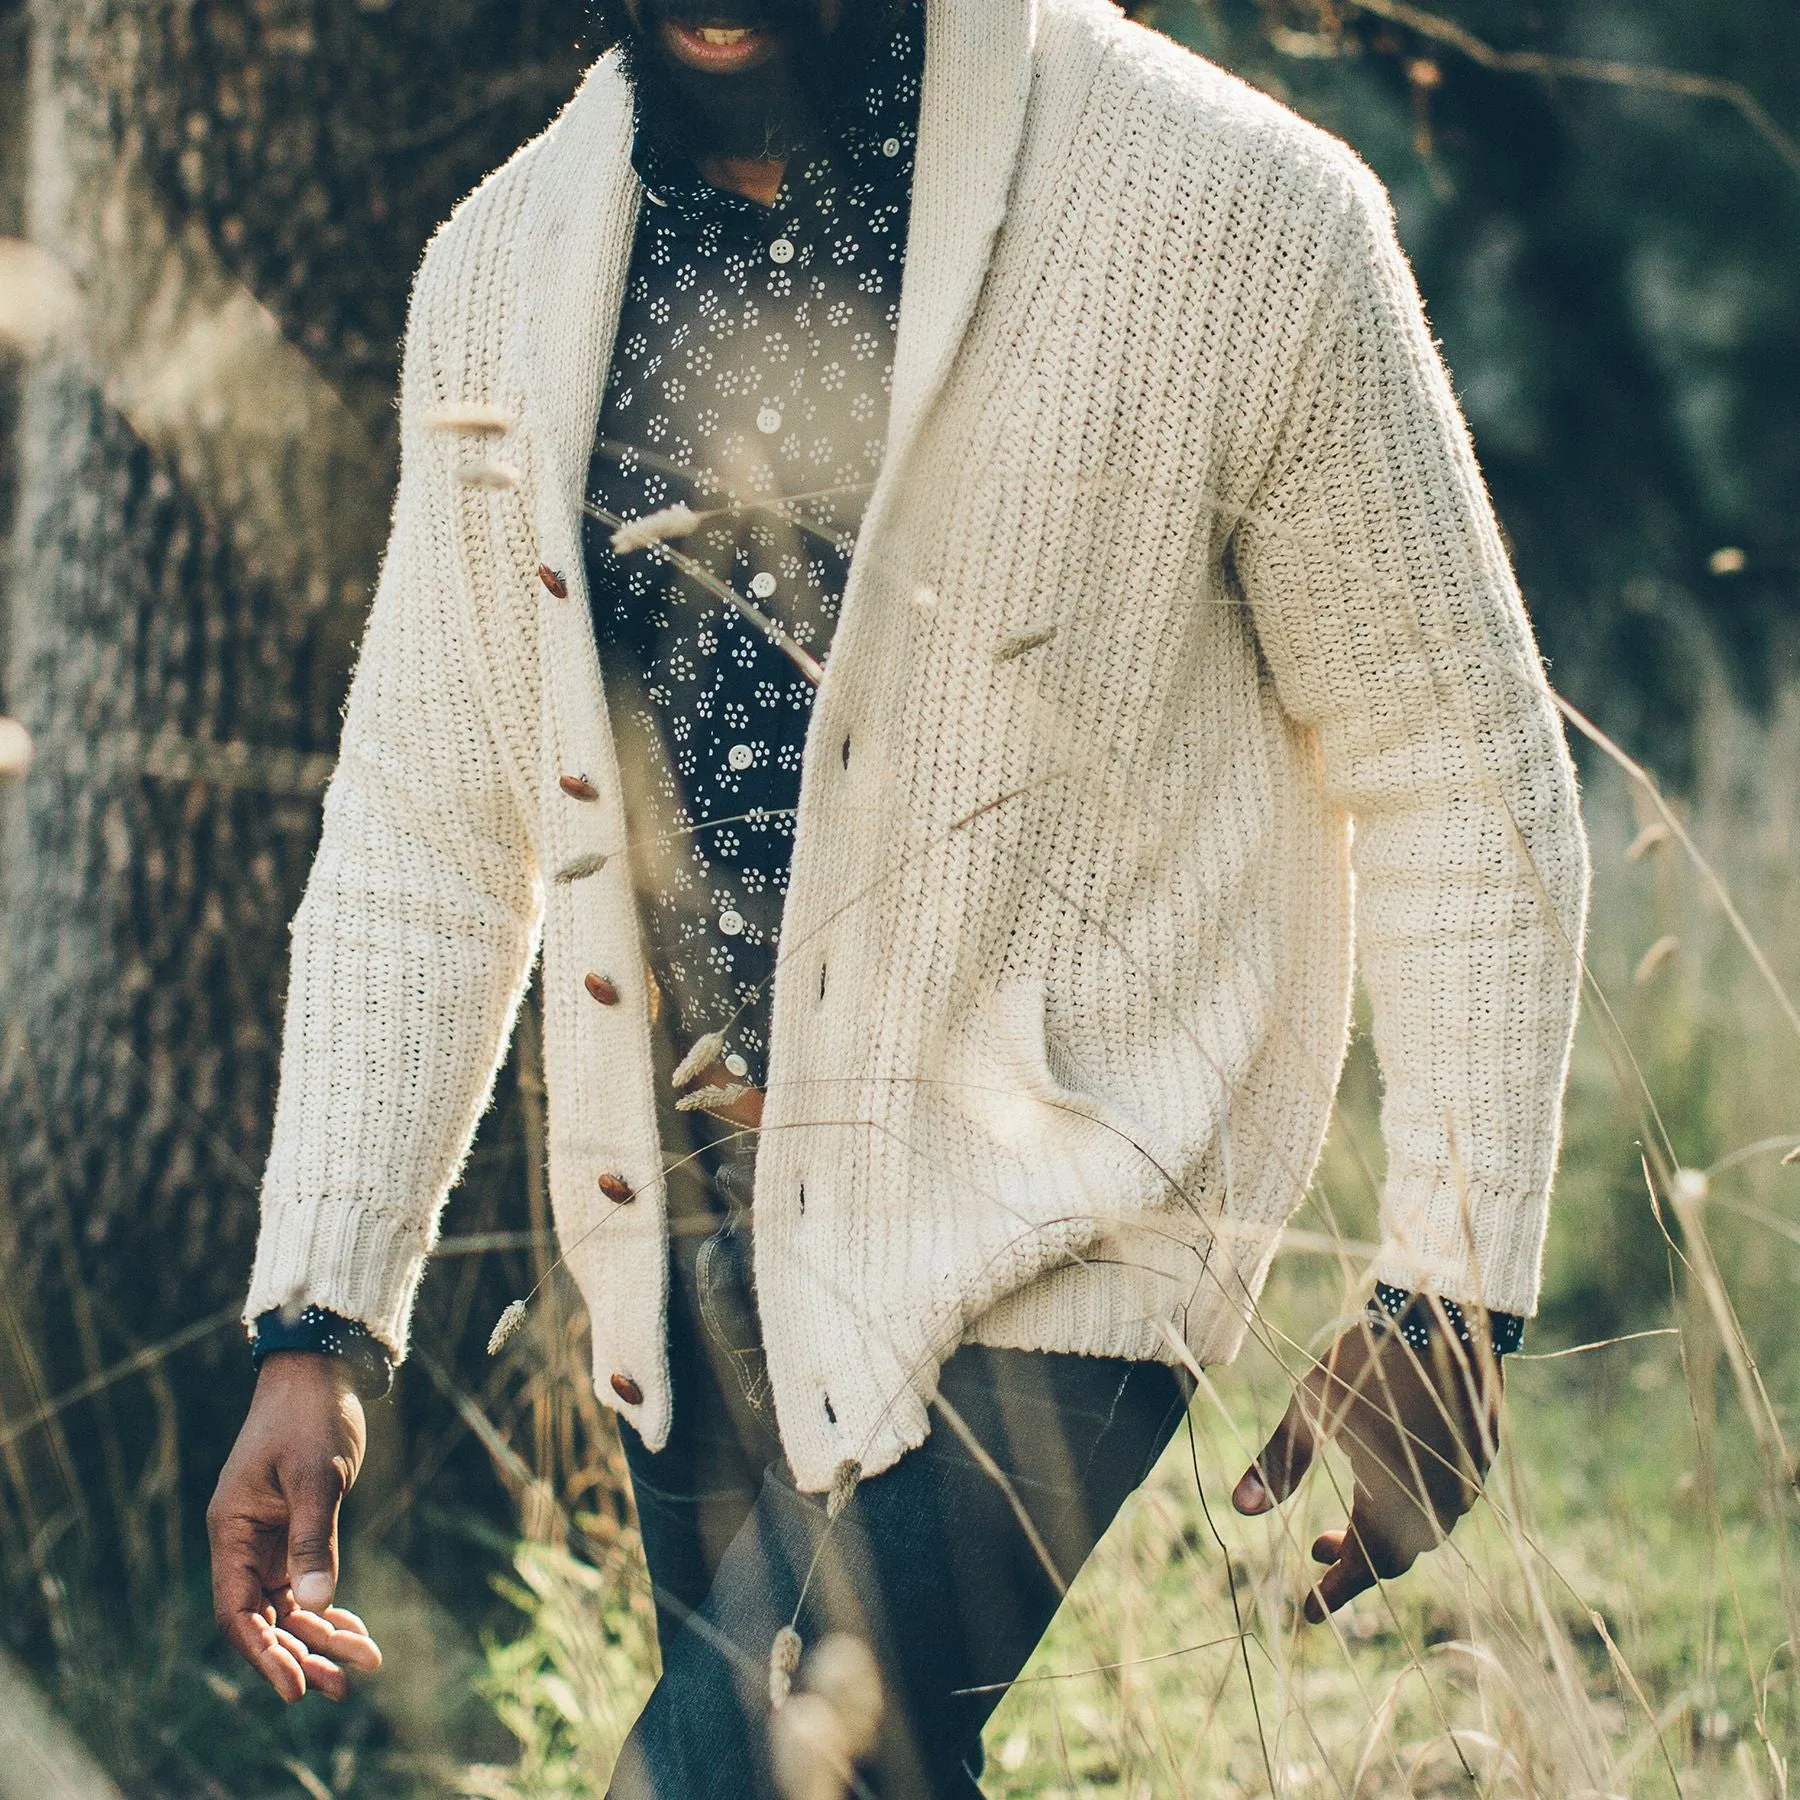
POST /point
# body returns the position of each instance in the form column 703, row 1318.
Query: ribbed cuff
column 349, row 1257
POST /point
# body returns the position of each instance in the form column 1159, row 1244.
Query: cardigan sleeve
column 1385, row 607
column 414, row 940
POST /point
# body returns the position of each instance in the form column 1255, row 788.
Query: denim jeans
column 928, row 1564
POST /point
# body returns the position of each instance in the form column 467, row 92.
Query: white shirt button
column 768, row 421
column 782, row 250
column 735, row 1065
column 890, row 147
column 740, row 757
column 762, row 584
column 731, row 921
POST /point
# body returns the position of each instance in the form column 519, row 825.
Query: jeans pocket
column 727, row 1294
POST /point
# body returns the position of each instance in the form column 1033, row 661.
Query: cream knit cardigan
column 1179, row 601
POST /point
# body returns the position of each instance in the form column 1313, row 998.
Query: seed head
column 784, row 1661
column 843, row 1671
column 1690, row 1186
column 1792, row 1157
column 506, row 1327
column 806, row 1748
column 699, row 1059
column 844, row 1479
column 497, row 477
column 1651, row 962
column 15, row 748
column 581, row 868
column 467, row 415
column 1009, row 649
column 714, row 1097
column 654, row 528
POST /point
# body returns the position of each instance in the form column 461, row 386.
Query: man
column 1031, row 558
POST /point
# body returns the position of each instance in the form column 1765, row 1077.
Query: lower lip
column 721, row 59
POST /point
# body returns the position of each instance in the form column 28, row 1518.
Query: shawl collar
column 971, row 118
column 582, row 211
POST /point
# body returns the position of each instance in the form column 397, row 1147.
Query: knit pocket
column 1055, row 1150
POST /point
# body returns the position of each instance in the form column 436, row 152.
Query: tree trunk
column 229, row 198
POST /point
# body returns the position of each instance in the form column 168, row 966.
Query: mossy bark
column 232, row 196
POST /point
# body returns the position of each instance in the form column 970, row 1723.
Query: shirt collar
column 874, row 142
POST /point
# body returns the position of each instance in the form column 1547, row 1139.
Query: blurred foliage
column 1615, row 276
column 319, row 145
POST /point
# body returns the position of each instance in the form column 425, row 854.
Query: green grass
column 1603, row 1503
column 1615, row 1617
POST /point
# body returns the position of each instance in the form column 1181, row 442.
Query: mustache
column 612, row 22
column 645, row 16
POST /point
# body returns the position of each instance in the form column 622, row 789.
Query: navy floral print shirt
column 749, row 382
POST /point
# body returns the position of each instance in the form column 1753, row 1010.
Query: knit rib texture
column 1180, row 667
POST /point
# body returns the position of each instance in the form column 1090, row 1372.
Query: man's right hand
column 273, row 1525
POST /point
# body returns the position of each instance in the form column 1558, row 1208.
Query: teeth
column 724, row 34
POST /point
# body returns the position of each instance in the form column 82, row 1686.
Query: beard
column 821, row 52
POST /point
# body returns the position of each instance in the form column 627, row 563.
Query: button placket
column 826, row 247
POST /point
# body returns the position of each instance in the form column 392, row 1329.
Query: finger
column 272, row 1659
column 348, row 1622
column 1284, row 1460
column 312, row 1565
column 1328, row 1546
column 240, row 1555
column 318, row 1671
column 318, row 1631
column 1347, row 1577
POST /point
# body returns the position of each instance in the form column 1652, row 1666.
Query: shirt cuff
column 323, row 1333
column 1418, row 1316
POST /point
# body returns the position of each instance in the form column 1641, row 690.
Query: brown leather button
column 552, row 579
column 603, row 990
column 616, row 1188
column 578, row 788
column 627, row 1390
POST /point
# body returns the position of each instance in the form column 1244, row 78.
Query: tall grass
column 1617, row 1619
column 1619, row 1616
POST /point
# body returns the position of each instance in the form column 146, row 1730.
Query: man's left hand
column 1420, row 1428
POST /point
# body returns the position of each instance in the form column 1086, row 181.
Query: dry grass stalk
column 1655, row 960
column 472, row 416
column 15, row 749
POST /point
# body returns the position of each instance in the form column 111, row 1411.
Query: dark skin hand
column 1420, row 1429
column 273, row 1525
